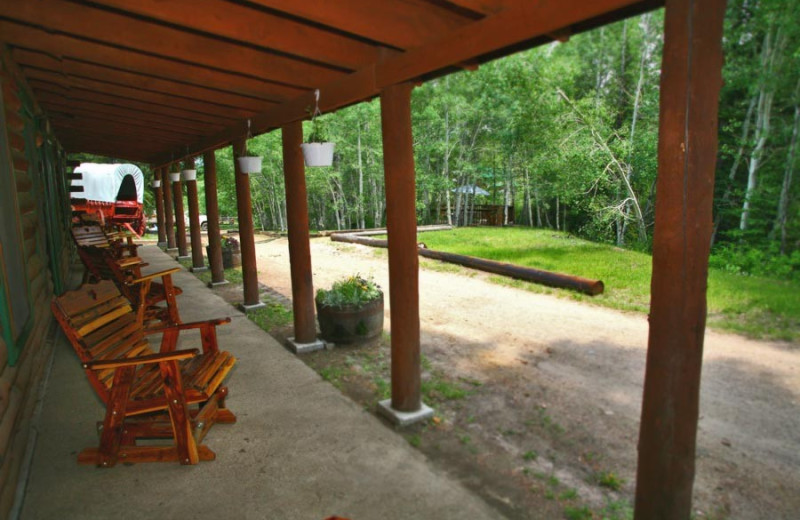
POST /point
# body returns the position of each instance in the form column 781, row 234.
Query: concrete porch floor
column 300, row 449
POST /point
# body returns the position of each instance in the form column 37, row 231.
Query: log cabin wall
column 34, row 263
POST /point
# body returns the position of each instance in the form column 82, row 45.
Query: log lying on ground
column 558, row 280
column 561, row 281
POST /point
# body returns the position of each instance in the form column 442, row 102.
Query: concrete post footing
column 303, row 348
column 186, row 257
column 217, row 284
column 162, row 244
column 247, row 308
column 198, row 269
column 404, row 418
column 172, row 250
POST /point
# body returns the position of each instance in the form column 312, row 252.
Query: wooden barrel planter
column 350, row 323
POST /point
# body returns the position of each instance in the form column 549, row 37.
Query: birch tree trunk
column 791, row 156
column 769, row 55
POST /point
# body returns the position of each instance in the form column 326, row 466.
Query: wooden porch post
column 180, row 219
column 212, row 211
column 690, row 82
column 305, row 330
column 401, row 223
column 158, row 176
column 194, row 219
column 169, row 221
column 247, row 242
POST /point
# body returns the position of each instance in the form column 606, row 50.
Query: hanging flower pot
column 249, row 164
column 318, row 154
column 175, row 176
column 156, row 184
column 189, row 175
column 318, row 150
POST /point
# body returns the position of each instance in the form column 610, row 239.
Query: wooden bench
column 104, row 262
column 119, row 243
column 172, row 394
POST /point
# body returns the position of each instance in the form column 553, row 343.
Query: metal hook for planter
column 248, row 130
column 316, row 105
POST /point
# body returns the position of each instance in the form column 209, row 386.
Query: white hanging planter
column 189, row 175
column 249, row 164
column 175, row 176
column 318, row 154
column 156, row 184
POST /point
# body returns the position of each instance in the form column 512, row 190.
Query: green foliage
column 271, row 317
column 756, row 306
column 578, row 513
column 530, row 455
column 610, row 480
column 353, row 290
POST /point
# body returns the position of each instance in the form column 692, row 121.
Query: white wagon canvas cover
column 110, row 182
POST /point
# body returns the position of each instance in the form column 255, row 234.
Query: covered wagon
column 112, row 193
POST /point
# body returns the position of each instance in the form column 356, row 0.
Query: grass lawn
column 757, row 307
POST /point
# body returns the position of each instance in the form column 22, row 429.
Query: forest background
column 567, row 134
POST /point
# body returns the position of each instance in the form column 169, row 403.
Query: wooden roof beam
column 158, row 40
column 155, row 98
column 106, row 128
column 254, row 26
column 512, row 26
column 402, row 25
column 62, row 46
column 54, row 102
column 67, row 114
column 102, row 101
column 80, row 69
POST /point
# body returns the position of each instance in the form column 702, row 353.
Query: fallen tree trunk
column 564, row 281
column 558, row 280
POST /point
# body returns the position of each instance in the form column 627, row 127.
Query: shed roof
column 155, row 81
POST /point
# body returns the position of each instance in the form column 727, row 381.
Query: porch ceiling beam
column 45, row 89
column 54, row 102
column 155, row 98
column 523, row 22
column 485, row 7
column 127, row 155
column 67, row 113
column 152, row 38
column 65, row 46
column 78, row 69
column 402, row 25
column 254, row 26
column 104, row 128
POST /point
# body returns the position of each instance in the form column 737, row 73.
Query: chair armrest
column 176, row 355
column 190, row 325
column 159, row 274
column 130, row 261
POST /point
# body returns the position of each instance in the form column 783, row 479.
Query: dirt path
column 577, row 371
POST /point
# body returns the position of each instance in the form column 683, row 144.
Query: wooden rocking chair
column 172, row 394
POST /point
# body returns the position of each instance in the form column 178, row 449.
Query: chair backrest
column 101, row 325
column 89, row 235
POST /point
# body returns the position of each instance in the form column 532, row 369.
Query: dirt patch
column 538, row 398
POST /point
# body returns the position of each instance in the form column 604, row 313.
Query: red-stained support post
column 294, row 174
column 180, row 218
column 246, row 237
column 169, row 221
column 687, row 149
column 405, row 405
column 158, row 193
column 190, row 177
column 212, row 210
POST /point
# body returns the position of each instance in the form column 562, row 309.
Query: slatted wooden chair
column 93, row 235
column 172, row 394
column 104, row 262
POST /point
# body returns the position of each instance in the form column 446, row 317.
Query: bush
column 354, row 290
column 767, row 261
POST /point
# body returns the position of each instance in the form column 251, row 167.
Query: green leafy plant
column 353, row 290
column 319, row 131
column 230, row 243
